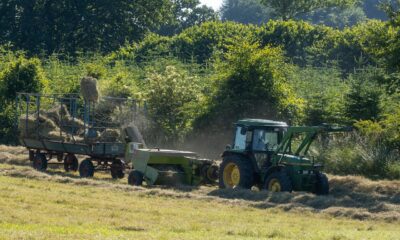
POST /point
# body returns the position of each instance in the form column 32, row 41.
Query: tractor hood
column 288, row 159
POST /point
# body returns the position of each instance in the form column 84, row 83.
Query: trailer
column 56, row 129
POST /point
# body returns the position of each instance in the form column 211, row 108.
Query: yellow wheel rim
column 231, row 175
column 274, row 185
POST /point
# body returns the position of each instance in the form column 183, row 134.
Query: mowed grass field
column 39, row 208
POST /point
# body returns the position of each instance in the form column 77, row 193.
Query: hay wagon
column 56, row 129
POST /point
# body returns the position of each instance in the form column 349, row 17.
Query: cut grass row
column 42, row 209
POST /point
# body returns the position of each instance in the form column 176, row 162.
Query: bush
column 8, row 131
column 363, row 102
column 21, row 75
column 323, row 91
column 357, row 154
column 174, row 100
column 251, row 82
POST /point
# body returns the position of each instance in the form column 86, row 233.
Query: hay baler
column 168, row 167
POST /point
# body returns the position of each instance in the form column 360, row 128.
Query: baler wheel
column 135, row 178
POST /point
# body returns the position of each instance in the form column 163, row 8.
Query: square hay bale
column 89, row 89
column 31, row 126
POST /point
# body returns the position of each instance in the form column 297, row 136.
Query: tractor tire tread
column 282, row 176
column 322, row 184
column 245, row 168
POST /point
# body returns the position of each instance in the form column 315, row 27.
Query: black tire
column 40, row 162
column 322, row 184
column 86, row 169
column 135, row 178
column 71, row 163
column 244, row 168
column 278, row 182
column 117, row 169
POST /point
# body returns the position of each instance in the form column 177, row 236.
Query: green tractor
column 272, row 156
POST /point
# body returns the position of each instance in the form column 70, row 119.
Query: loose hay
column 110, row 135
column 32, row 126
column 89, row 89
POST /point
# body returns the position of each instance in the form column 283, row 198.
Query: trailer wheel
column 70, row 163
column 117, row 169
column 278, row 182
column 322, row 184
column 135, row 178
column 86, row 169
column 40, row 162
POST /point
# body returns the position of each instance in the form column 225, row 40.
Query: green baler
column 168, row 167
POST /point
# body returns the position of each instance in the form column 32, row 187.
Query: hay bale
column 29, row 127
column 110, row 135
column 89, row 89
column 72, row 125
column 56, row 114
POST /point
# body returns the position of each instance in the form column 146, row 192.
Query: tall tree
column 245, row 11
column 289, row 9
column 85, row 25
column 185, row 14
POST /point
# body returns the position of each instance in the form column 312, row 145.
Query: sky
column 212, row 3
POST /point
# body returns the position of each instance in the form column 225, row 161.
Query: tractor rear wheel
column 39, row 162
column 236, row 172
column 135, row 178
column 86, row 169
column 322, row 184
column 70, row 163
column 278, row 182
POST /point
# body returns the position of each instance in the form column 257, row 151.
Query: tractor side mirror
column 228, row 147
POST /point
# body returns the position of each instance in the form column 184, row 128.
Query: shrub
column 173, row 99
column 21, row 75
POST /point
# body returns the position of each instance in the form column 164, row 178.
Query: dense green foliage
column 198, row 79
column 71, row 26
column 289, row 9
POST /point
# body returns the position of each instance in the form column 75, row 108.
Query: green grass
column 42, row 209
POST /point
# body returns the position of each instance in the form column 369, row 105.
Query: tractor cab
column 258, row 139
column 258, row 135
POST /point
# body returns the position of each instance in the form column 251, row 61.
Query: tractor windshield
column 264, row 140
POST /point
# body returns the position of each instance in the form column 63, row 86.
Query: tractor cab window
column 240, row 139
column 264, row 140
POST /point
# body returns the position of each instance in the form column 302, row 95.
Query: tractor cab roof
column 260, row 123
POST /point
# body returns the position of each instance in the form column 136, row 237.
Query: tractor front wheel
column 322, row 184
column 236, row 172
column 135, row 178
column 278, row 182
